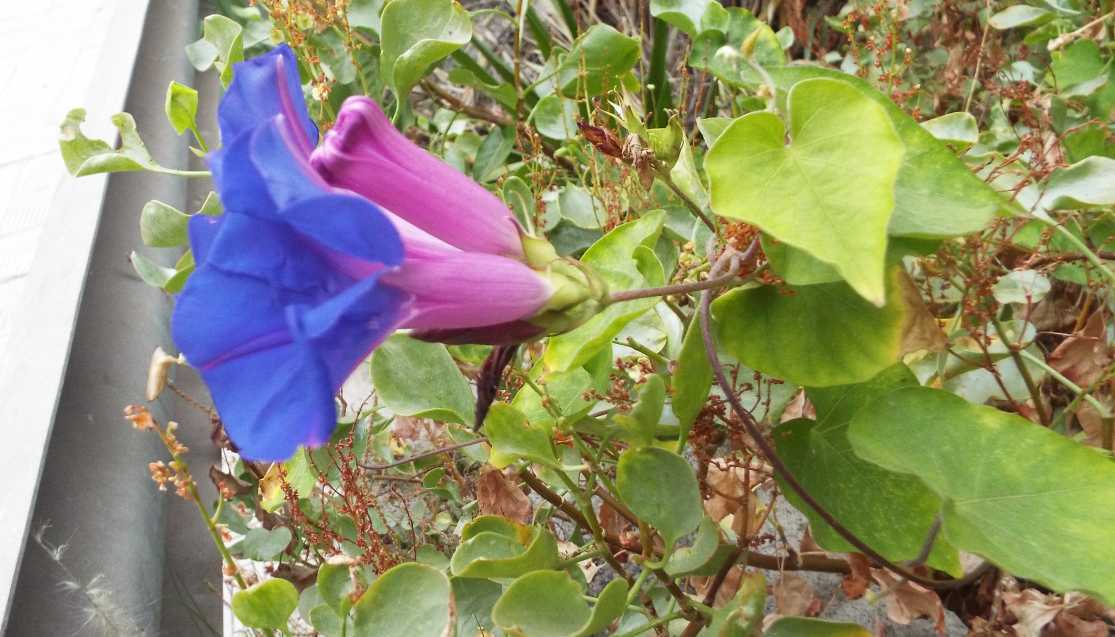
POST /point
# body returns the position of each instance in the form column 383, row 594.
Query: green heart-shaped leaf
column 814, row 335
column 839, row 171
column 936, row 194
column 410, row 599
column 1023, row 496
column 659, row 487
column 416, row 378
column 266, row 605
column 415, row 35
column 892, row 512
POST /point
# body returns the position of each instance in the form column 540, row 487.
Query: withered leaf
column 496, row 495
column 602, row 139
column 906, row 601
column 1084, row 356
column 856, row 583
column 794, row 596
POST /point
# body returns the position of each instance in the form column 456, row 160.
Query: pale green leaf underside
column 660, row 488
column 954, row 128
column 691, row 16
column 410, row 599
column 415, row 378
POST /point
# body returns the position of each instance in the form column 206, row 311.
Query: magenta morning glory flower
column 321, row 254
column 367, row 155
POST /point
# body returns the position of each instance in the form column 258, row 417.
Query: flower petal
column 461, row 290
column 273, row 400
column 222, row 315
column 365, row 154
column 263, row 87
column 272, row 252
column 346, row 328
column 271, row 368
column 203, row 231
column 287, row 174
column 239, row 183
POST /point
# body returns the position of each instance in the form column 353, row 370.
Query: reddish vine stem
column 664, row 174
column 680, row 288
column 421, row 456
column 775, row 460
column 819, row 564
column 1027, row 377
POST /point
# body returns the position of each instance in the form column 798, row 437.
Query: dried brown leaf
column 1091, row 422
column 980, row 627
column 794, row 595
column 856, row 583
column 729, row 494
column 808, row 544
column 1084, row 356
column 920, row 329
column 496, row 495
column 727, row 589
column 906, row 601
column 611, row 521
column 1033, row 610
column 1069, row 625
column 799, row 407
column 603, row 139
column 407, row 429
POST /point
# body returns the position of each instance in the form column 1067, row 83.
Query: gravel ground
column 838, row 607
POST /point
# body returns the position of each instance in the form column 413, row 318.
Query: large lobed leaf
column 1025, row 497
column 936, row 195
column 822, row 335
column 891, row 511
column 830, row 192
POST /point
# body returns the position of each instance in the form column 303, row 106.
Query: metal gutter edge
column 37, row 353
